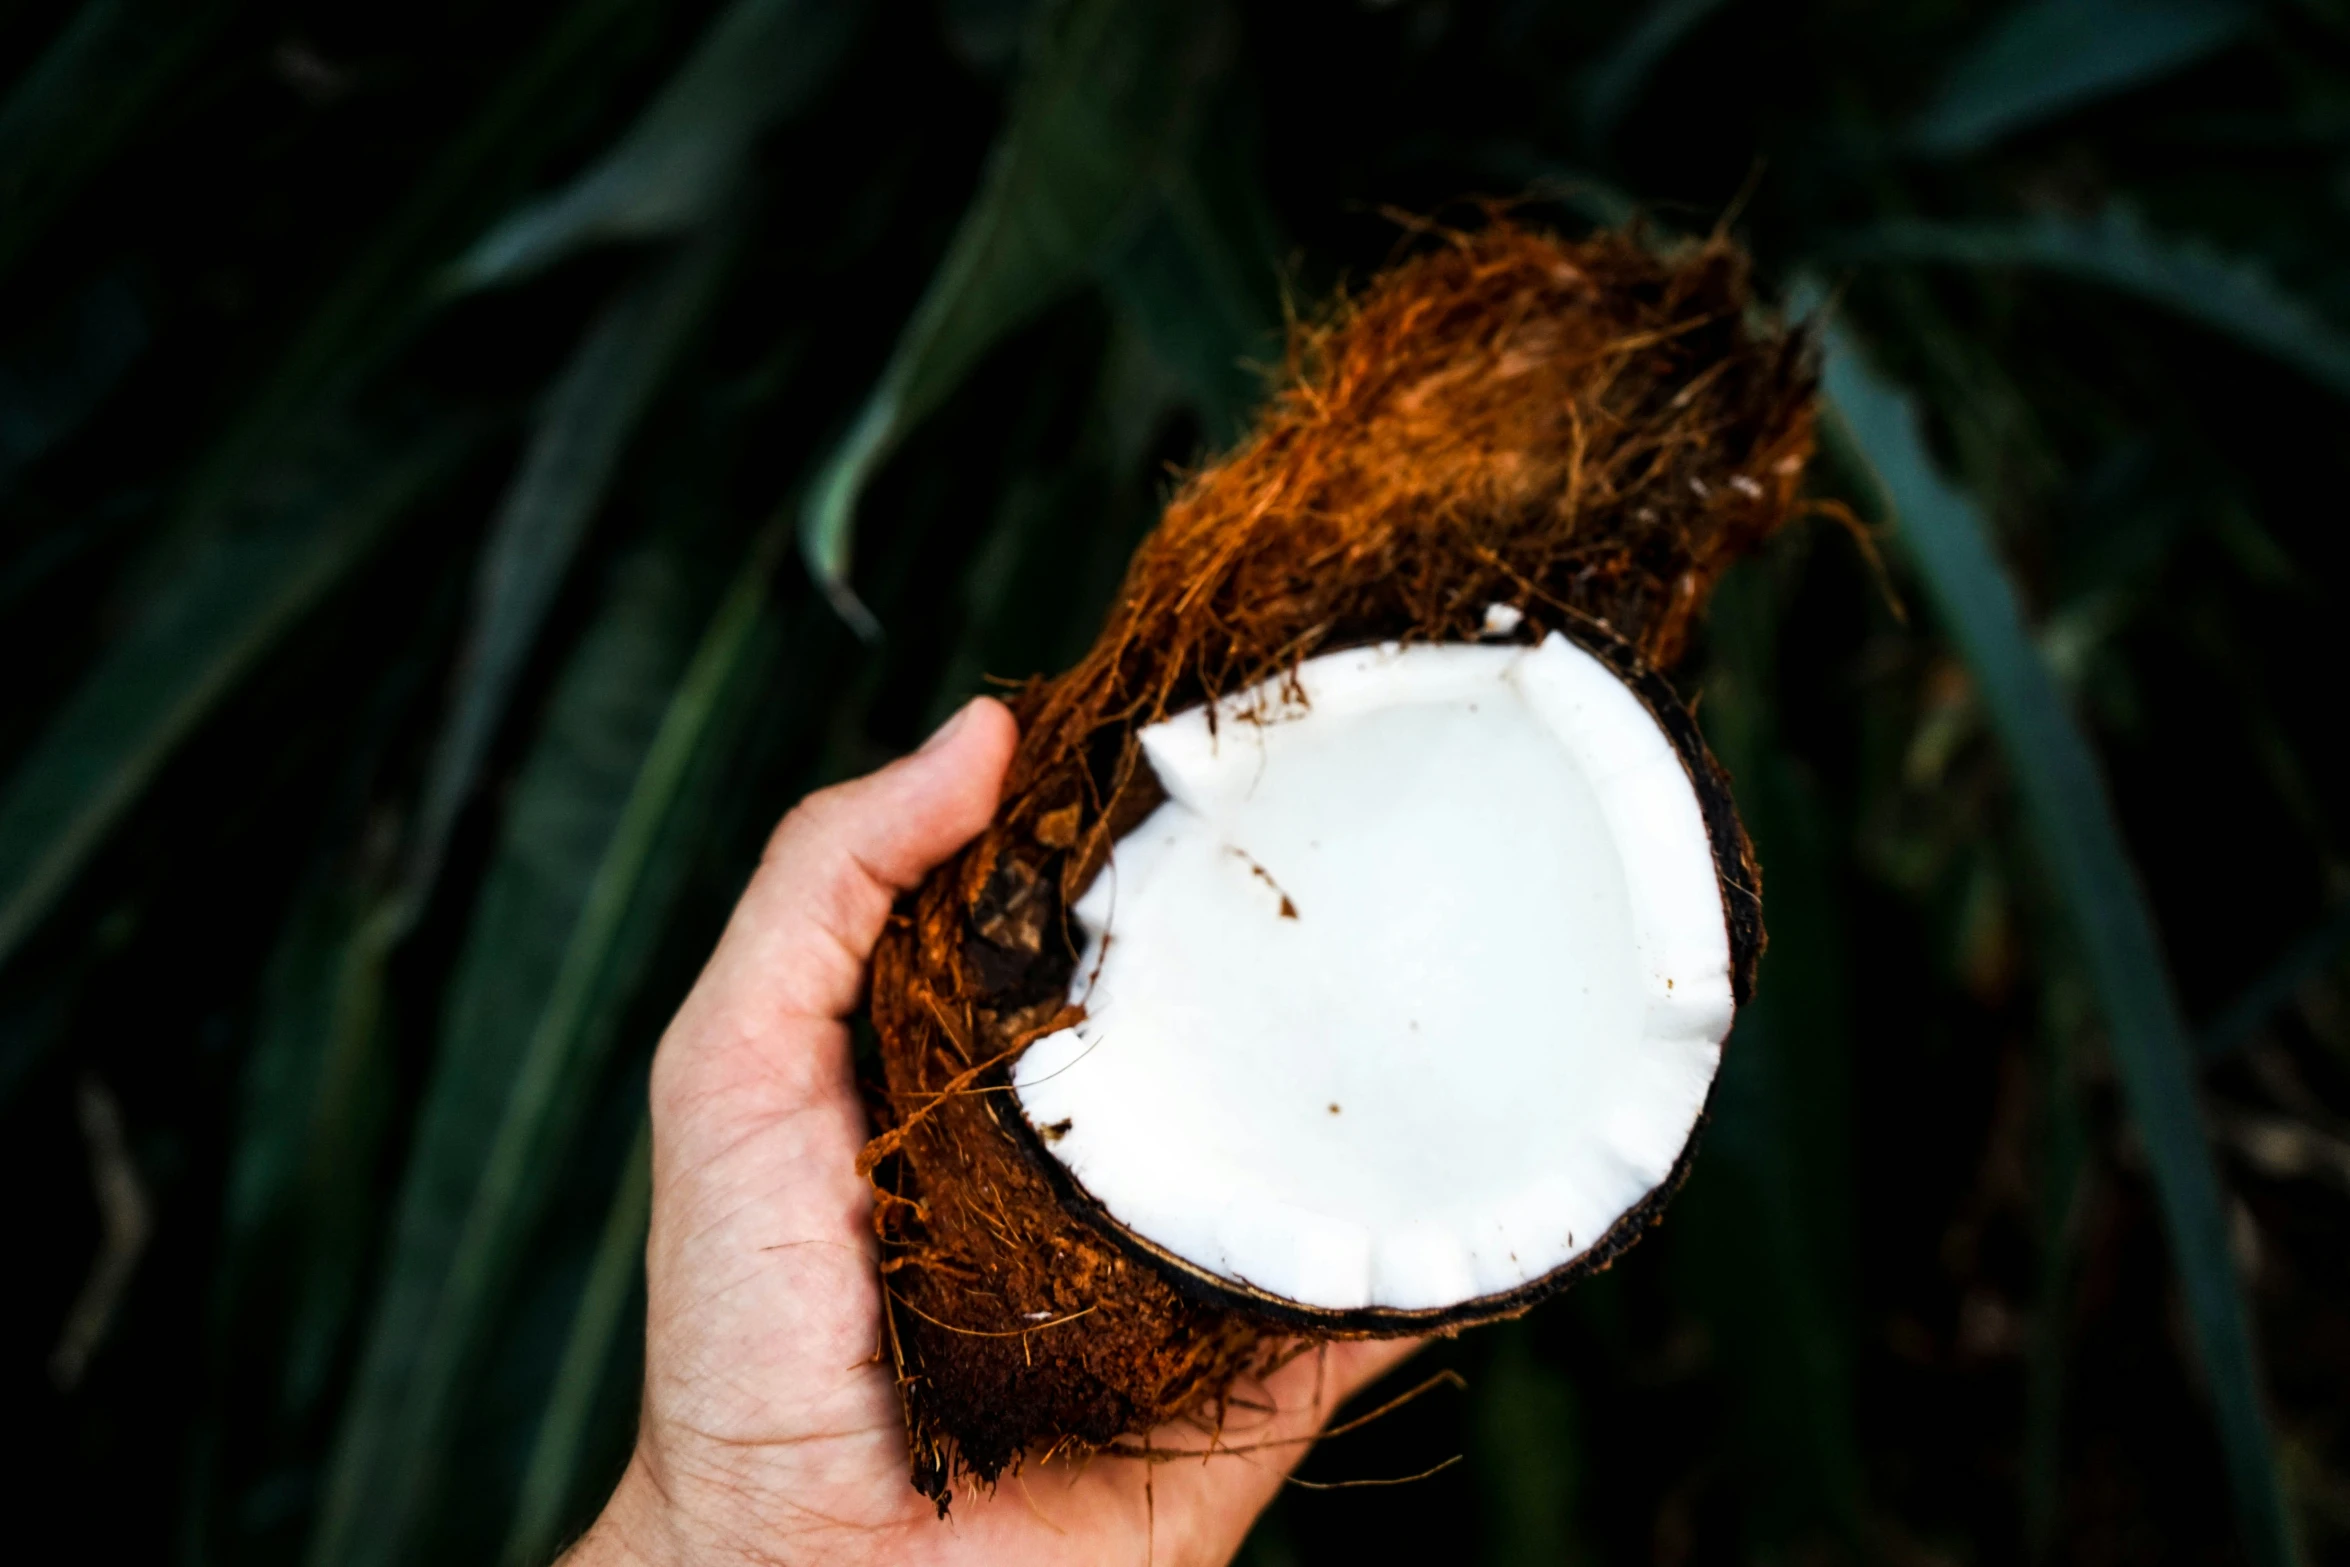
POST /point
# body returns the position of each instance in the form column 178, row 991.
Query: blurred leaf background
column 464, row 471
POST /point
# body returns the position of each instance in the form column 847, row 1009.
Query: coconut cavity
column 1413, row 987
column 1352, row 948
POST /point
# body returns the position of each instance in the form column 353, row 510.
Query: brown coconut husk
column 1590, row 432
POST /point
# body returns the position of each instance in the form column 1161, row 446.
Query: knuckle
column 818, row 816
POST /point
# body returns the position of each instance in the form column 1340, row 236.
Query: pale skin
column 771, row 1430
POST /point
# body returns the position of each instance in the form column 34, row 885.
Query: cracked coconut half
column 1353, row 949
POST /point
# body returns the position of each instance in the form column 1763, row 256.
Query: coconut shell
column 1590, row 432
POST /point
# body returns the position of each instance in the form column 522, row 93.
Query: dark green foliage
column 407, row 417
column 2113, row 250
column 2045, row 57
column 2079, row 846
column 1099, row 111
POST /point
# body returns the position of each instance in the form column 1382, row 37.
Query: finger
column 1192, row 1489
column 1207, row 1508
column 1309, row 1393
column 1354, row 1367
column 800, row 937
column 838, row 862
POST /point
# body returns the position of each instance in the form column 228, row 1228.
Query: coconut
column 1353, row 947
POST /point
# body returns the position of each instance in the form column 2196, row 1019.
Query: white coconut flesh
column 1413, row 986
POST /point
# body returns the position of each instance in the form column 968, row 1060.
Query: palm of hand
column 771, row 1429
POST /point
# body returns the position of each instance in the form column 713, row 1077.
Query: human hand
column 771, row 1429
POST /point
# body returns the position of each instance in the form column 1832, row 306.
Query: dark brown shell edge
column 1740, row 880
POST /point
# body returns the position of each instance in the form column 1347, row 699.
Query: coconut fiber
column 1589, row 432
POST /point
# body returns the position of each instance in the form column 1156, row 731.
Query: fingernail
column 946, row 731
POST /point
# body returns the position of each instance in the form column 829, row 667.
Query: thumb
column 808, row 921
column 796, row 948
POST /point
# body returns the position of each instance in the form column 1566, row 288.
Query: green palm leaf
column 278, row 509
column 2047, row 58
column 84, row 96
column 1196, row 280
column 1615, row 81
column 582, row 432
column 310, row 1138
column 2088, row 866
column 2116, row 250
column 760, row 61
column 206, row 623
column 1768, row 1234
column 1097, row 115
column 601, row 826
column 551, row 1479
